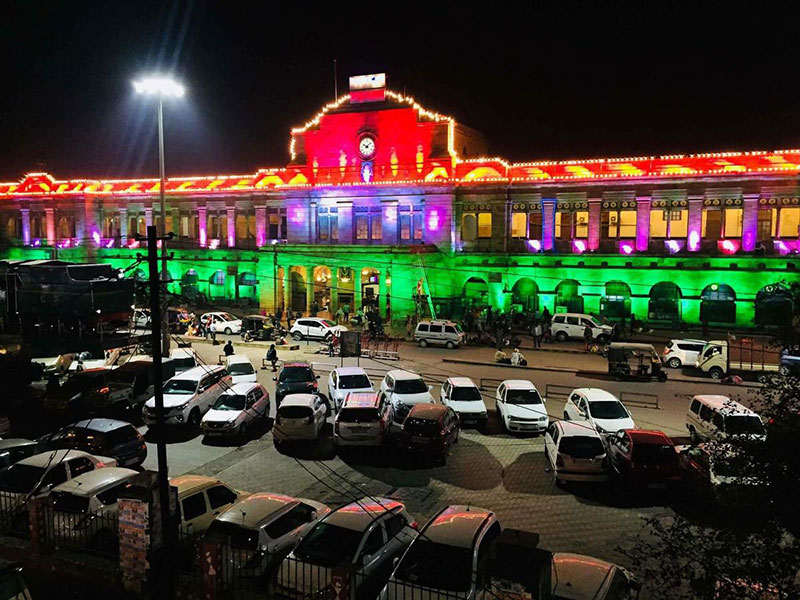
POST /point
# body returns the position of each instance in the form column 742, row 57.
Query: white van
column 712, row 417
column 443, row 333
column 188, row 396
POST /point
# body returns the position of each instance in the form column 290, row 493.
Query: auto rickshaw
column 634, row 361
column 260, row 328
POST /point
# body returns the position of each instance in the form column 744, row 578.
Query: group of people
column 515, row 360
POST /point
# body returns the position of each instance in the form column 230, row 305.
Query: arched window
column 718, row 304
column 568, row 296
column 616, row 303
column 218, row 278
column 469, row 227
column 665, row 302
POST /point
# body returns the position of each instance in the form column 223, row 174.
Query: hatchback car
column 295, row 378
column 365, row 419
column 346, row 380
column 520, row 407
column 367, row 534
column 241, row 370
column 37, row 475
column 642, row 458
column 299, row 417
column 315, row 329
column 201, row 499
column 575, row 453
column 106, row 437
column 463, row 396
column 599, row 408
column 236, row 410
column 459, row 537
column 430, row 430
column 404, row 389
column 262, row 529
column 579, row 577
column 682, row 353
column 223, row 322
column 573, row 325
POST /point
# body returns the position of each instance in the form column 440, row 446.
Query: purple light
column 297, row 215
column 694, row 241
column 213, row 244
column 536, row 245
column 579, row 246
column 626, row 248
column 391, row 214
column 109, row 243
column 673, row 246
column 133, row 244
column 782, row 247
column 729, row 247
column 231, row 241
column 433, row 220
column 96, row 237
column 37, row 242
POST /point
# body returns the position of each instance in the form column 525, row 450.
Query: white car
column 575, row 452
column 315, row 329
column 463, row 396
column 223, row 322
column 237, row 409
column 682, row 353
column 188, row 396
column 580, row 577
column 240, row 369
column 183, row 359
column 344, row 380
column 572, row 325
column 520, row 407
column 299, row 417
column 599, row 408
column 404, row 389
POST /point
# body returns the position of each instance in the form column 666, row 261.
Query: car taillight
column 666, row 350
column 415, row 525
column 559, row 461
column 104, row 390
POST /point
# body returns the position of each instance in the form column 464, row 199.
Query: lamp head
column 159, row 85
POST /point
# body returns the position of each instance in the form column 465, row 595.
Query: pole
column 164, row 345
column 158, row 385
column 335, row 82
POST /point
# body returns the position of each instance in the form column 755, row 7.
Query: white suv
column 223, row 322
column 404, row 389
column 683, row 353
column 600, row 408
column 188, row 396
column 347, row 380
column 313, row 328
column 520, row 407
column 236, row 409
column 572, row 325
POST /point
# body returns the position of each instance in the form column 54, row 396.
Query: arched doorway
column 189, row 284
column 525, row 295
column 216, row 284
column 774, row 306
column 476, row 294
column 665, row 302
column 718, row 304
column 248, row 287
column 298, row 290
column 568, row 298
column 616, row 303
column 370, row 288
column 322, row 288
column 345, row 287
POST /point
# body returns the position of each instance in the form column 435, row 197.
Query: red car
column 643, row 458
column 430, row 429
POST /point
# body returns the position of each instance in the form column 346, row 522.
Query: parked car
column 463, row 396
column 520, row 407
column 439, row 333
column 722, row 474
column 177, row 318
column 240, row 369
column 643, row 458
column 73, row 395
column 13, row 450
column 223, row 322
column 236, row 410
column 299, row 417
column 572, row 325
column 430, row 430
column 579, row 577
column 575, row 453
column 346, row 380
column 201, row 499
column 315, row 329
column 85, row 507
column 188, row 396
column 599, row 408
column 365, row 419
column 127, row 387
column 367, row 534
column 404, row 389
column 458, row 537
column 54, row 365
column 37, row 475
column 262, row 529
column 295, row 378
column 714, row 417
column 183, row 359
column 107, row 437
column 683, row 353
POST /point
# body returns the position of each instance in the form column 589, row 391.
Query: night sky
column 555, row 80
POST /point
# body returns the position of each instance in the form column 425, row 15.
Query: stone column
column 50, row 228
column 230, row 212
column 287, row 292
column 548, row 223
column 694, row 232
column 643, row 223
column 123, row 225
column 382, row 293
column 594, row 223
column 202, row 226
column 749, row 221
column 333, row 284
column 26, row 226
column 80, row 222
column 261, row 226
column 148, row 215
column 356, row 288
column 309, row 288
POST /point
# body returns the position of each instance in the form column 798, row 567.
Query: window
column 573, row 320
column 695, row 408
column 376, row 229
column 627, row 224
column 422, row 327
column 484, row 225
column 417, row 225
column 405, row 226
column 394, row 525
column 712, row 224
column 219, row 495
column 79, row 466
column 469, row 227
column 436, row 329
column 705, row 413
column 535, row 226
column 374, row 541
column 519, row 225
column 767, row 218
column 719, row 422
column 362, row 228
column 194, row 506
column 789, row 222
column 679, row 223
column 582, row 224
column 297, row 516
column 733, row 222
column 563, row 225
column 450, row 329
column 658, row 223
column 58, row 474
column 111, row 495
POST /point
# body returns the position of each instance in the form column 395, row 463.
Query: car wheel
column 297, row 336
column 784, row 370
column 243, row 430
column 602, row 339
column 449, row 345
column 561, row 336
column 227, row 331
column 716, row 373
column 194, row 419
column 674, row 362
column 423, row 343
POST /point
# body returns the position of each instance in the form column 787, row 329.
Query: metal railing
column 490, row 384
column 639, row 399
column 90, row 532
column 14, row 517
column 557, row 392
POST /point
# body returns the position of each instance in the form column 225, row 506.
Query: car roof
column 648, row 436
column 571, row 428
column 361, row 400
column 444, row 321
column 89, row 483
column 296, row 363
column 403, row 374
column 519, row 384
column 430, row 412
column 461, row 382
column 571, row 314
column 52, row 458
column 190, row 483
column 240, row 388
column 183, row 352
column 254, row 509
column 238, row 358
column 457, row 525
column 350, row 371
column 687, row 341
column 198, row 372
column 15, row 443
column 298, row 400
column 595, row 394
column 100, row 425
column 723, row 404
column 578, row 576
column 360, row 514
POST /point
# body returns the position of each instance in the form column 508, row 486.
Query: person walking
column 346, row 312
column 587, row 337
column 537, row 335
column 272, row 356
column 330, row 345
column 227, row 349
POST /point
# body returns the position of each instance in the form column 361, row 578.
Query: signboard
column 350, row 344
column 372, row 81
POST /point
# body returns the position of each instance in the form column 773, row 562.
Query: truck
column 740, row 355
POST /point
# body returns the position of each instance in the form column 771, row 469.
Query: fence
column 639, row 399
column 557, row 392
column 14, row 516
column 91, row 532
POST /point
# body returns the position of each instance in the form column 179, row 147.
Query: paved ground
column 492, row 469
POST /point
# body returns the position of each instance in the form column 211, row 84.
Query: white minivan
column 188, row 396
column 715, row 418
column 441, row 333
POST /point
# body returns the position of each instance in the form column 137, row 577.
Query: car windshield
column 581, row 446
column 410, row 386
column 650, row 454
column 78, row 437
column 607, row 409
column 421, row 426
column 328, row 545
column 227, row 316
column 733, row 464
column 184, row 362
column 523, row 397
column 296, row 375
column 353, row 382
column 294, row 412
column 230, row 402
column 359, row 415
column 180, row 386
column 422, row 565
column 466, row 394
column 743, row 425
column 20, row 479
column 241, row 369
column 328, row 323
column 69, row 503
column 233, row 535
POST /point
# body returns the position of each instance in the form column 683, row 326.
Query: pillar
column 356, row 288
column 333, row 285
column 80, row 222
column 50, row 226
column 382, row 292
column 287, row 292
column 310, row 281
column 202, row 226
column 261, row 226
column 694, row 232
column 548, row 222
column 123, row 225
column 594, row 223
column 643, row 223
column 230, row 212
column 148, row 215
column 26, row 226
column 749, row 221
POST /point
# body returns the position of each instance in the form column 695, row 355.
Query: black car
column 295, row 378
column 106, row 437
column 15, row 449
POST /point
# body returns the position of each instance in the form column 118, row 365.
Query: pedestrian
column 330, row 345
column 587, row 337
column 288, row 320
column 537, row 335
column 409, row 327
column 517, row 359
column 339, row 315
column 272, row 356
column 346, row 311
column 501, row 357
column 546, row 315
column 227, row 349
column 314, row 308
column 278, row 314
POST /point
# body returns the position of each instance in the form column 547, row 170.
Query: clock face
column 366, row 146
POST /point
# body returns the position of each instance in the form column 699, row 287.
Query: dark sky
column 556, row 80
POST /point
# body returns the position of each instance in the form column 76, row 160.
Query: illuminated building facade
column 383, row 200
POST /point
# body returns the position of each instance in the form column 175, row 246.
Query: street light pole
column 163, row 233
